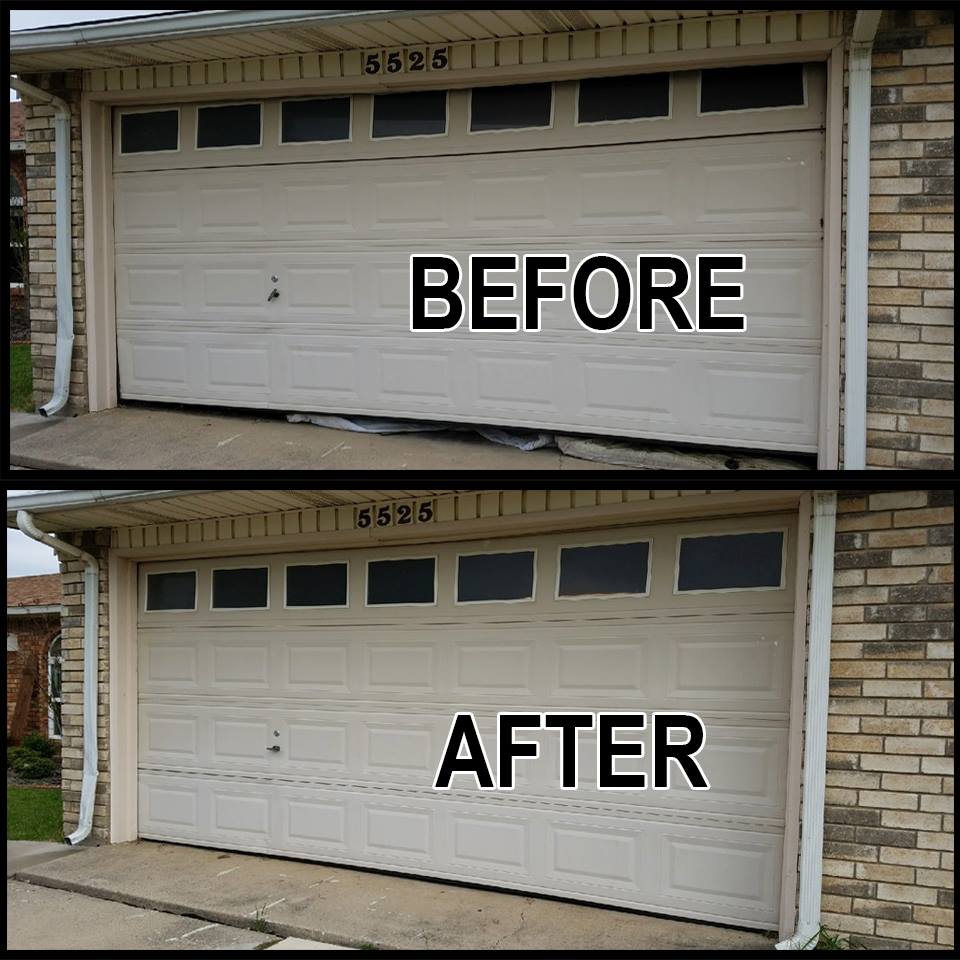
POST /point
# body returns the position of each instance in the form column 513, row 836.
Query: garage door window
column 234, row 125
column 241, row 588
column 309, row 121
column 741, row 561
column 172, row 590
column 496, row 577
column 153, row 131
column 611, row 99
column 604, row 570
column 410, row 582
column 316, row 585
column 511, row 108
column 731, row 89
column 421, row 114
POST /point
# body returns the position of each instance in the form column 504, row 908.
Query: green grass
column 34, row 813
column 21, row 378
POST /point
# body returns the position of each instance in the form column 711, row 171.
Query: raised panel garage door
column 295, row 718
column 201, row 232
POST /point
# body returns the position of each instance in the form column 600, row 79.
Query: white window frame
column 577, row 122
column 730, row 533
column 232, row 103
column 309, row 143
column 457, row 602
column 422, row 556
column 121, row 113
column 240, row 566
column 501, row 130
column 411, row 136
column 51, row 732
column 789, row 106
column 604, row 596
column 319, row 606
column 196, row 590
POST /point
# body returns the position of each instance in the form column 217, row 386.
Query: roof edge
column 180, row 25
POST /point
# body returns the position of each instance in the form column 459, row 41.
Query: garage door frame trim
column 123, row 565
column 96, row 115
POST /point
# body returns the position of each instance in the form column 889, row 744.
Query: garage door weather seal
column 91, row 606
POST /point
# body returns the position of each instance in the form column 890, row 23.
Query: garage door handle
column 274, row 749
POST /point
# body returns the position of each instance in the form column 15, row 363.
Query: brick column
column 888, row 850
column 96, row 543
column 41, row 173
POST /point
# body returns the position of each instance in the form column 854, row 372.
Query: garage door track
column 292, row 898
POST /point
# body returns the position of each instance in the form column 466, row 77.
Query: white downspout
column 91, row 607
column 858, row 235
column 815, row 723
column 64, row 230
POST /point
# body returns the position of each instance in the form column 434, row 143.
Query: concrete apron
column 292, row 898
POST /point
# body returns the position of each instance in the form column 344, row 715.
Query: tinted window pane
column 401, row 581
column 233, row 589
column 317, row 585
column 736, row 561
column 304, row 121
column 624, row 98
column 506, row 108
column 610, row 568
column 172, row 591
column 410, row 114
column 495, row 576
column 748, row 88
column 237, row 125
column 148, row 132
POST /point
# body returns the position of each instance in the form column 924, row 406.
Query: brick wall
column 95, row 543
column 41, row 174
column 33, row 634
column 888, row 850
column 910, row 365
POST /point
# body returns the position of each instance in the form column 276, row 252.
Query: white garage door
column 310, row 720
column 665, row 163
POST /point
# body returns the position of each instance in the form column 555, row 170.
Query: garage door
column 323, row 200
column 298, row 704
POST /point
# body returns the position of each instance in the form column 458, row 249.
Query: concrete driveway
column 291, row 898
column 167, row 438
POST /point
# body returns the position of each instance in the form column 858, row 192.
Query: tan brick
column 906, row 931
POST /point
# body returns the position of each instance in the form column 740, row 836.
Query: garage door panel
column 741, row 664
column 701, row 395
column 745, row 765
column 706, row 872
column 770, row 183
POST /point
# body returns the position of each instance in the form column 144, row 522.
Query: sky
column 28, row 19
column 26, row 557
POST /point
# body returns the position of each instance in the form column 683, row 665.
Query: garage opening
column 262, row 250
column 298, row 704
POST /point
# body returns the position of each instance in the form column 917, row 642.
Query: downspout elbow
column 91, row 607
column 64, row 230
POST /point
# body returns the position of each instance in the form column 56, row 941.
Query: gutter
column 858, row 235
column 807, row 931
column 91, row 609
column 34, row 611
column 180, row 26
column 61, row 499
column 64, row 229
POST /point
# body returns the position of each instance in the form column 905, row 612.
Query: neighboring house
column 34, row 650
column 18, row 193
column 278, row 671
column 248, row 186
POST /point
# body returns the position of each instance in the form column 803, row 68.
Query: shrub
column 37, row 743
column 29, row 765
